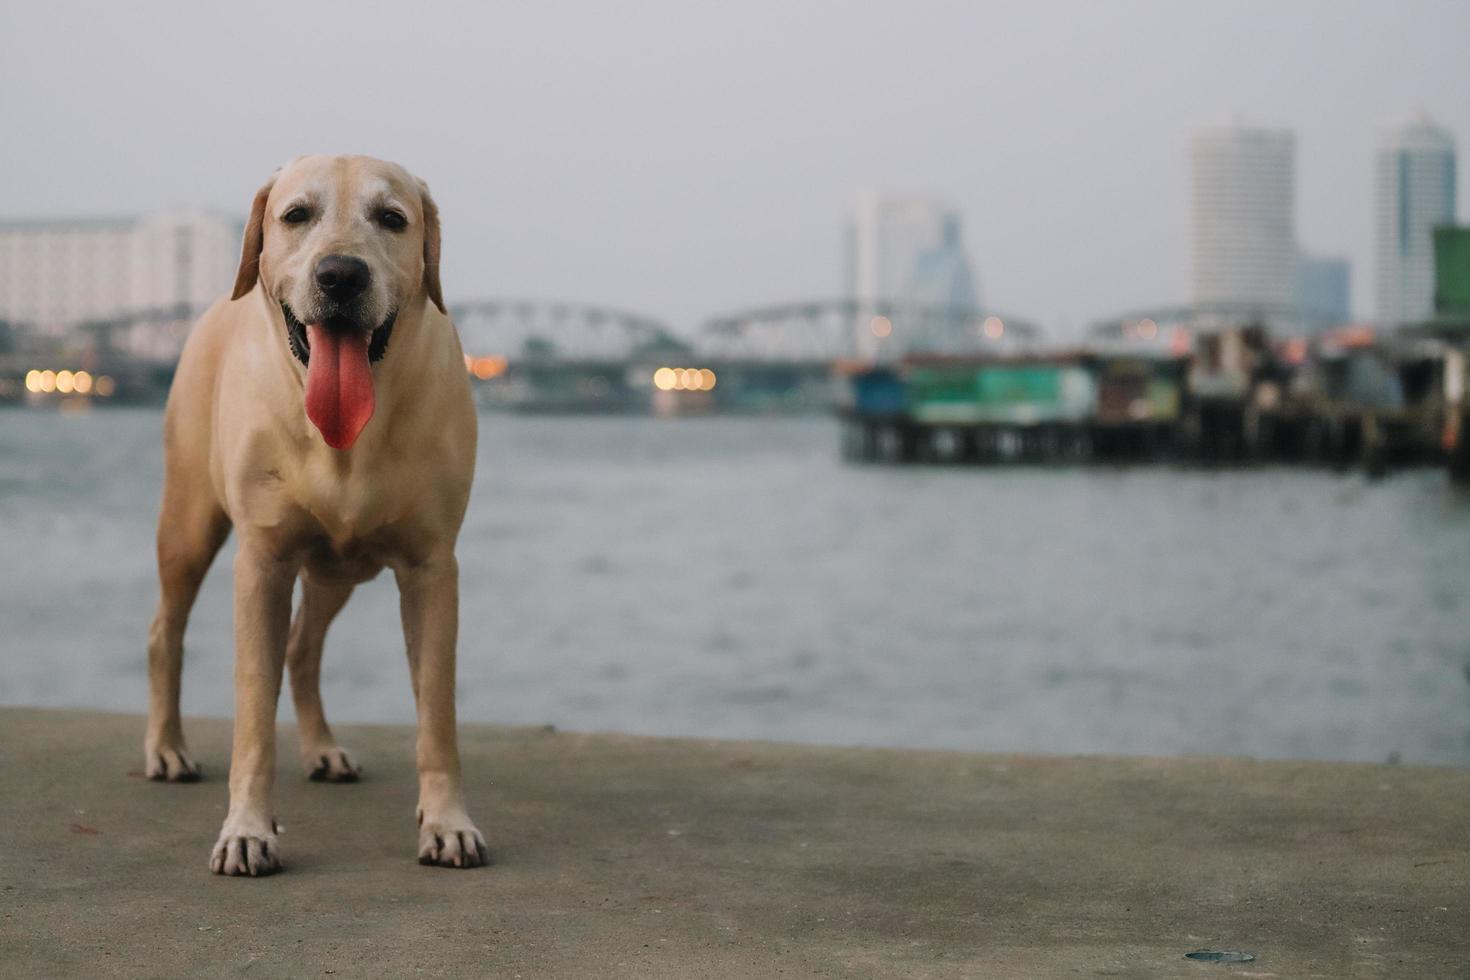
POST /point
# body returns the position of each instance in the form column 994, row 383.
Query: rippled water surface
column 733, row 577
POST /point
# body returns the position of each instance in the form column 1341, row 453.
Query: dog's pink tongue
column 339, row 384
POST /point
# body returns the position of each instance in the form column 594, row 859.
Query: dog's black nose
column 342, row 277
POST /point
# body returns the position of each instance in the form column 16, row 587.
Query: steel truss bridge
column 554, row 355
column 545, row 331
column 521, row 330
column 828, row 331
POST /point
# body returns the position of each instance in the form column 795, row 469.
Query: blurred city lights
column 994, row 327
column 1148, row 329
column 882, row 326
column 67, row 382
column 684, row 379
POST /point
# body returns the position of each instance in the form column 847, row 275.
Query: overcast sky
column 683, row 159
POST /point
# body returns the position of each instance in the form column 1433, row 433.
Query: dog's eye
column 392, row 220
column 296, row 215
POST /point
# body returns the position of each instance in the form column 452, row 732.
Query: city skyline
column 644, row 162
column 898, row 248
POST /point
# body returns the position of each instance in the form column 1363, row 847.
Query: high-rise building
column 941, row 278
column 1242, row 217
column 1323, row 291
column 908, row 251
column 1414, row 190
column 58, row 273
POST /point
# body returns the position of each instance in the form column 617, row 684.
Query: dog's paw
column 170, row 763
column 451, row 842
column 330, row 765
column 246, row 848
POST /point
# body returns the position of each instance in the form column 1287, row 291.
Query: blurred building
column 57, row 274
column 1242, row 217
column 942, row 277
column 905, row 250
column 1414, row 190
column 1452, row 273
column 1323, row 290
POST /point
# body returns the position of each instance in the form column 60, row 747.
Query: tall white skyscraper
column 1243, row 216
column 1414, row 190
column 905, row 250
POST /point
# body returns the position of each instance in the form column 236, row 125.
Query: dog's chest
column 352, row 517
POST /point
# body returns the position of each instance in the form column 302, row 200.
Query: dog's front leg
column 429, row 600
column 263, row 583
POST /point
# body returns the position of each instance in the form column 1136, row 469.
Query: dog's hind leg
column 325, row 760
column 190, row 531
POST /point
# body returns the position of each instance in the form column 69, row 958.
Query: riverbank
column 634, row 857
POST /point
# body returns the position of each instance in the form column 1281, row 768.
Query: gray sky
column 688, row 158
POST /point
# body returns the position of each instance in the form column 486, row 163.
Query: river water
column 734, row 577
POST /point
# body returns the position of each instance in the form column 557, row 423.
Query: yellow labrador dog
column 325, row 414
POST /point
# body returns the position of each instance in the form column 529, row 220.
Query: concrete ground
column 637, row 857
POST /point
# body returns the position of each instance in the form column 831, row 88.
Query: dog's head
column 341, row 244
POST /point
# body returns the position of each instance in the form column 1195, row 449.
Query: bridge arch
column 832, row 330
column 524, row 330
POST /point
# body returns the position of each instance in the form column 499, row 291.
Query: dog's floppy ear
column 249, row 270
column 431, row 248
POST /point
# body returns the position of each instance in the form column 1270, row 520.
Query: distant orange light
column 881, row 326
column 994, row 327
column 1147, row 329
column 106, row 386
column 486, row 368
column 1354, row 336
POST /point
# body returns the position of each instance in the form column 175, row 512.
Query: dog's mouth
column 338, row 355
column 300, row 343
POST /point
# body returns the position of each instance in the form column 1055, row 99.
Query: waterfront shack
column 1140, row 399
column 975, row 409
column 1230, row 377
